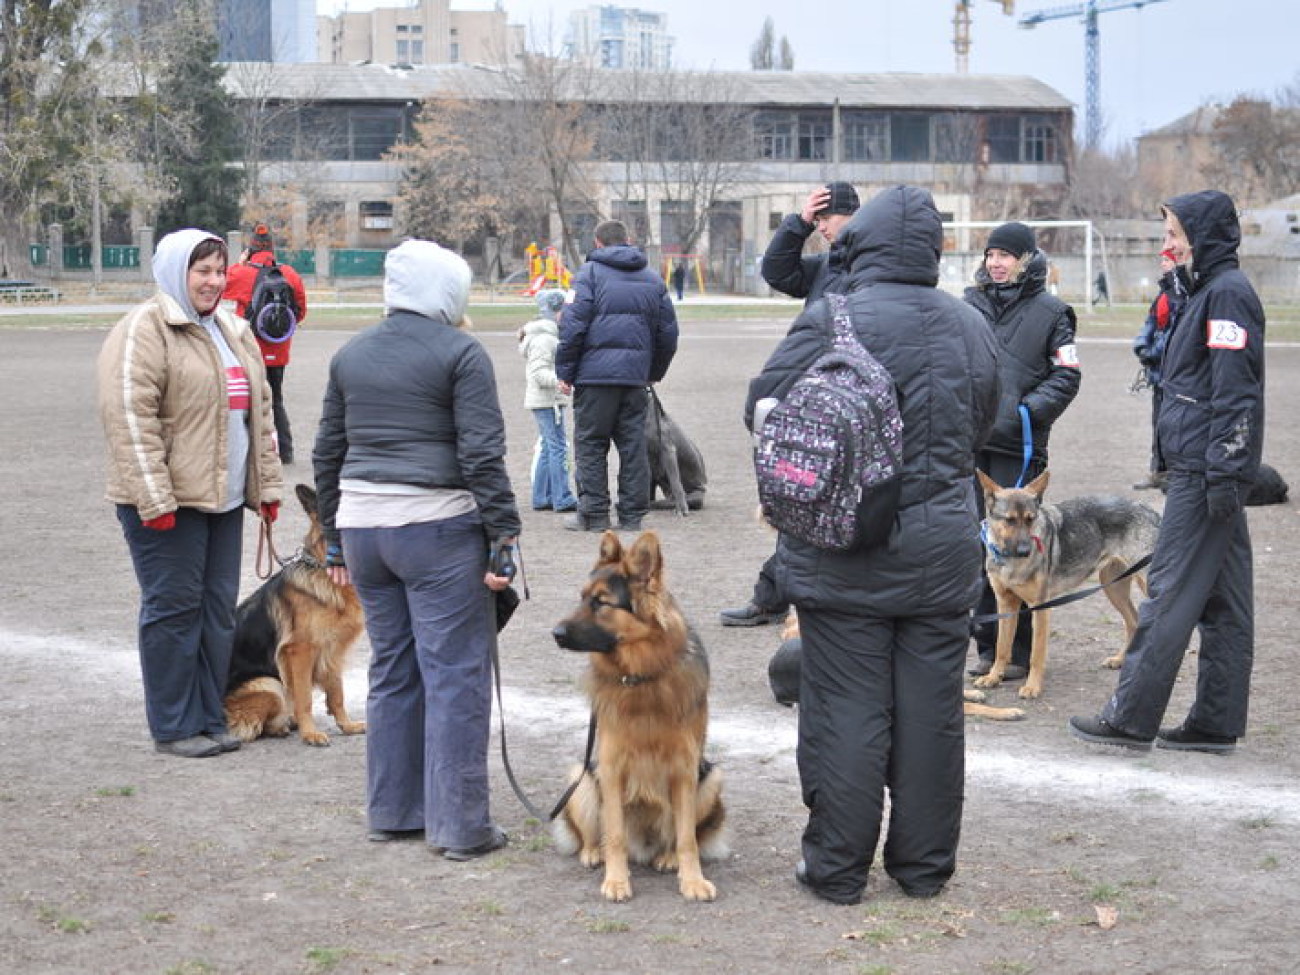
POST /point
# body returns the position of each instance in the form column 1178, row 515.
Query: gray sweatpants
column 1201, row 578
column 430, row 623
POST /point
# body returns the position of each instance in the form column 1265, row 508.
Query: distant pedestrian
column 1209, row 436
column 618, row 336
column 241, row 281
column 679, row 279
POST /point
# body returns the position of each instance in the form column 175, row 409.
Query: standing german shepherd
column 294, row 633
column 651, row 794
column 1038, row 551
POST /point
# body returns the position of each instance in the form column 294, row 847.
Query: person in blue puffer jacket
column 618, row 336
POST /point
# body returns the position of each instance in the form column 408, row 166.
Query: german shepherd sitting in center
column 293, row 634
column 651, row 796
column 1037, row 551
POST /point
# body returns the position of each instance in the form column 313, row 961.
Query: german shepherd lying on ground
column 651, row 795
column 294, row 633
column 783, row 677
column 1037, row 551
column 676, row 464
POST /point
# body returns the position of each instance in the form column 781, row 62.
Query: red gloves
column 163, row 523
column 270, row 511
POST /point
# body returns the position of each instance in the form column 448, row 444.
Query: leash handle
column 268, row 559
column 1072, row 597
column 1027, row 438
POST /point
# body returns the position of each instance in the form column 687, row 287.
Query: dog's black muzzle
column 1022, row 549
column 584, row 638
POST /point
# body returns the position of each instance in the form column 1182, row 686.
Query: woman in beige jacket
column 187, row 417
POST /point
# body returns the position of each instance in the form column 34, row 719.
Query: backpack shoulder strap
column 843, row 336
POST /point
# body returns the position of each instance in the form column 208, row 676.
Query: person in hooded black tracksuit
column 1209, row 434
column 1038, row 367
column 885, row 629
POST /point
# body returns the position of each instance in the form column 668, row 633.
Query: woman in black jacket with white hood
column 885, row 629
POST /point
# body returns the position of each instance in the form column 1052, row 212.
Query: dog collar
column 635, row 680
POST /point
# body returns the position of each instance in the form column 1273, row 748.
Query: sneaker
column 225, row 740
column 982, row 666
column 1187, row 739
column 198, row 746
column 460, row 854
column 1099, row 732
column 578, row 522
column 394, row 835
column 750, row 615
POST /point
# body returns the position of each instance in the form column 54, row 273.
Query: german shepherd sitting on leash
column 1037, row 551
column 294, row 633
column 651, row 795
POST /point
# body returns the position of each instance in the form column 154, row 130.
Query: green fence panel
column 121, row 256
column 76, row 257
column 304, row 261
column 40, row 254
column 357, row 263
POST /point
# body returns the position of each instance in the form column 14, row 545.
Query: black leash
column 1072, row 597
column 501, row 711
column 505, row 754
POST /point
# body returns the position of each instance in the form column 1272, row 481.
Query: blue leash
column 1026, row 435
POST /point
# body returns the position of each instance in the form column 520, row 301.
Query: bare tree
column 682, row 138
column 785, row 61
column 1257, row 145
column 762, row 53
column 463, row 175
column 541, row 119
column 769, row 54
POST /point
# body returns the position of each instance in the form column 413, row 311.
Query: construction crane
column 1089, row 11
column 961, row 30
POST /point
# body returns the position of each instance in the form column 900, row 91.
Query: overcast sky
column 1157, row 62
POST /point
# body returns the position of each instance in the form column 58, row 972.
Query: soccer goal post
column 1073, row 250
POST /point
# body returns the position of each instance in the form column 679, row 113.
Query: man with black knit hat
column 1038, row 369
column 827, row 210
column 241, row 280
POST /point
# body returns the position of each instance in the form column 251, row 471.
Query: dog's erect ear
column 307, row 496
column 1038, row 486
column 645, row 561
column 990, row 486
column 611, row 551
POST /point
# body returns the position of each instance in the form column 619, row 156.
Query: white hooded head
column 171, row 266
column 422, row 277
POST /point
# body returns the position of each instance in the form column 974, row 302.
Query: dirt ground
column 1073, row 859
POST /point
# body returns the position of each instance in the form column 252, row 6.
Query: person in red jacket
column 240, row 280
